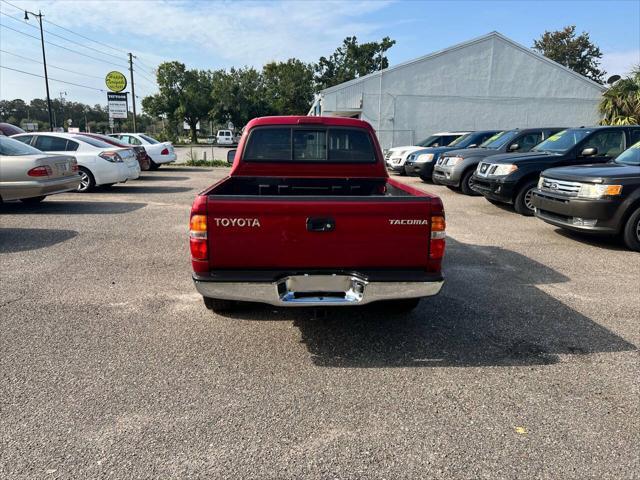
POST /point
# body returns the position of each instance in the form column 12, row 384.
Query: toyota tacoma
column 306, row 217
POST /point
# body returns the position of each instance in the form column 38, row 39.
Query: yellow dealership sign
column 116, row 81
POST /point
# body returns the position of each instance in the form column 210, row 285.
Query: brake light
column 438, row 235
column 198, row 237
column 43, row 171
column 112, row 157
column 165, row 151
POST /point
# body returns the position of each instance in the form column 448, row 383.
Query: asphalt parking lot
column 525, row 366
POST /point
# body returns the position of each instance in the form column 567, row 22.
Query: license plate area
column 321, row 289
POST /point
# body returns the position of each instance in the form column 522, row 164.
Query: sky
column 221, row 34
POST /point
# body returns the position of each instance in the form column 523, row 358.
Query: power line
column 145, row 77
column 64, row 48
column 54, row 79
column 49, row 65
column 49, row 32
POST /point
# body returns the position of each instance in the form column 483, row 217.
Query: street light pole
column 44, row 61
column 133, row 92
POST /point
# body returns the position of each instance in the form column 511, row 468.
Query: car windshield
column 92, row 141
column 460, row 140
column 631, row 156
column 12, row 148
column 562, row 141
column 499, row 140
column 147, row 138
column 427, row 142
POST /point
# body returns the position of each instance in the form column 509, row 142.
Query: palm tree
column 620, row 104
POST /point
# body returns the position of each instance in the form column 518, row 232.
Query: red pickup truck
column 309, row 217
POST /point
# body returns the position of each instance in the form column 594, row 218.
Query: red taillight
column 44, row 171
column 438, row 227
column 165, row 151
column 74, row 167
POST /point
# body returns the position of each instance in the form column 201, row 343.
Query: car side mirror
column 231, row 155
column 513, row 147
column 473, row 145
column 589, row 152
column 436, row 144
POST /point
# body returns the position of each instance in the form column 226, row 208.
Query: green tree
column 184, row 95
column 352, row 60
column 238, row 96
column 288, row 86
column 575, row 52
column 620, row 104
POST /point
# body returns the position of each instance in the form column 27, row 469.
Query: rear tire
column 631, row 233
column 33, row 200
column 218, row 305
column 465, row 184
column 522, row 203
column 404, row 305
column 87, row 182
column 153, row 165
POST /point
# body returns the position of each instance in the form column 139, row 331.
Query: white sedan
column 160, row 152
column 99, row 163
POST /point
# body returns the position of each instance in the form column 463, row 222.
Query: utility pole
column 62, row 107
column 133, row 92
column 44, row 61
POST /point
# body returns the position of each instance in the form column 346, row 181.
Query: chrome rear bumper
column 317, row 290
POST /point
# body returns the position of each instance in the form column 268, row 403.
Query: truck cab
column 305, row 218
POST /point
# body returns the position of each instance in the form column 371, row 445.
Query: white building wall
column 483, row 84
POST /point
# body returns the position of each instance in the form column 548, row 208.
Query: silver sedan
column 30, row 175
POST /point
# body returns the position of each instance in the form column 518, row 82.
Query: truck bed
column 312, row 223
column 316, row 187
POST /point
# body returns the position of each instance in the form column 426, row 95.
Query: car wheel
column 523, row 201
column 218, row 305
column 631, row 234
column 401, row 306
column 465, row 184
column 153, row 165
column 33, row 200
column 87, row 182
column 425, row 179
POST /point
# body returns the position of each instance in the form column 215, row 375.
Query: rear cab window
column 282, row 144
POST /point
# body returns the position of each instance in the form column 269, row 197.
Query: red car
column 310, row 217
column 141, row 154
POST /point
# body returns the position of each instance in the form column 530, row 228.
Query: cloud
column 620, row 63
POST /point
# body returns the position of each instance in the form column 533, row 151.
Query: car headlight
column 590, row 190
column 504, row 169
column 425, row 157
column 453, row 161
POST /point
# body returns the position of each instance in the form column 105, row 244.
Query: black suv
column 454, row 169
column 420, row 163
column 594, row 198
column 511, row 178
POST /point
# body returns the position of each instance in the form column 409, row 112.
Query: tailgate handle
column 321, row 224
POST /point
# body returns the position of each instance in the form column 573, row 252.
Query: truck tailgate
column 304, row 233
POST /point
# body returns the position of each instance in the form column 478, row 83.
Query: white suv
column 396, row 157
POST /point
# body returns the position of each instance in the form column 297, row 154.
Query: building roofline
column 458, row 46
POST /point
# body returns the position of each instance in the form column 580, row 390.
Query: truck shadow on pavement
column 25, row 239
column 70, row 208
column 490, row 313
column 167, row 178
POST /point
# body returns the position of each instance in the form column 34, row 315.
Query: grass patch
column 206, row 163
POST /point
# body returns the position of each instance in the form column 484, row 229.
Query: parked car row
column 574, row 178
column 35, row 165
